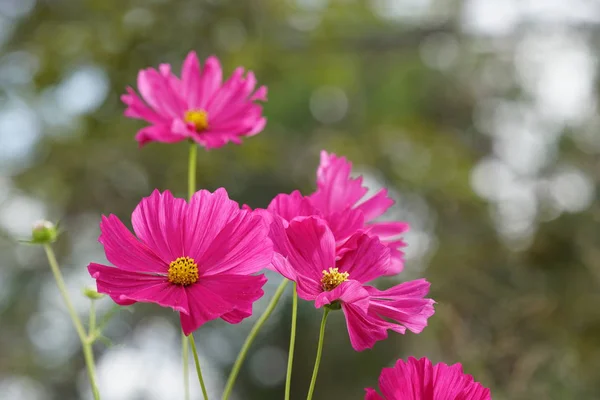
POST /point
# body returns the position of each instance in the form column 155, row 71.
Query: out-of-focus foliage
column 480, row 116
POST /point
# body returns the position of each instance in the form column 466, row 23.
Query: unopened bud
column 44, row 232
column 92, row 294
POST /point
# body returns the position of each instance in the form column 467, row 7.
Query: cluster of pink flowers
column 203, row 257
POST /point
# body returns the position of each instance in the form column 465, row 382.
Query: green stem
column 92, row 323
column 197, row 362
column 251, row 336
column 313, row 381
column 185, row 354
column 288, row 377
column 192, row 170
column 86, row 343
column 184, row 340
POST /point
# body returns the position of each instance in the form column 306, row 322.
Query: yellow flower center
column 183, row 271
column 333, row 278
column 199, row 118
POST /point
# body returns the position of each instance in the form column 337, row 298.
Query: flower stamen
column 183, row 271
column 198, row 118
column 333, row 278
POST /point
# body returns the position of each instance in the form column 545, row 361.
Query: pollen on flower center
column 183, row 271
column 198, row 118
column 333, row 278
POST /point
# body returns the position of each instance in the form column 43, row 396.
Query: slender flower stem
column 251, row 336
column 288, row 377
column 192, row 170
column 313, row 381
column 92, row 323
column 184, row 339
column 198, row 371
column 185, row 354
column 86, row 343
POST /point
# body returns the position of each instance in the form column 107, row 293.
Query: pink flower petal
column 258, row 127
column 207, row 215
column 228, row 92
column 336, row 190
column 281, row 265
column 190, row 80
column 371, row 394
column 404, row 304
column 345, row 223
column 290, row 206
column 126, row 286
column 182, row 130
column 157, row 133
column 376, row 206
column 158, row 222
column 369, row 260
column 308, row 245
column 349, row 292
column 220, row 295
column 138, row 109
column 158, row 93
column 210, row 80
column 364, row 330
column 125, row 251
column 242, row 247
column 260, row 94
column 387, row 230
column 419, row 380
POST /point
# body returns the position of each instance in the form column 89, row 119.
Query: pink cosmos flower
column 339, row 199
column 306, row 253
column 197, row 106
column 419, row 380
column 195, row 257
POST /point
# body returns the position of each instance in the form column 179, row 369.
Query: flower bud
column 92, row 294
column 44, row 232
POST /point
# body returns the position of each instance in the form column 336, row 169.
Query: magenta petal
column 404, row 304
column 126, row 286
column 411, row 381
column 157, row 133
column 336, row 189
column 419, row 380
column 125, row 251
column 289, row 206
column 345, row 223
column 257, row 127
column 242, row 246
column 180, row 130
column 221, row 295
column 260, row 94
column 396, row 260
column 388, row 229
column 376, row 206
column 236, row 316
column 157, row 91
column 281, row 265
column 207, row 215
column 364, row 330
column 210, row 80
column 308, row 245
column 190, row 79
column 136, row 108
column 371, row 394
column 368, row 261
column 158, row 222
column 227, row 93
column 349, row 292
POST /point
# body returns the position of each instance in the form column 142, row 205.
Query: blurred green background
column 481, row 117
